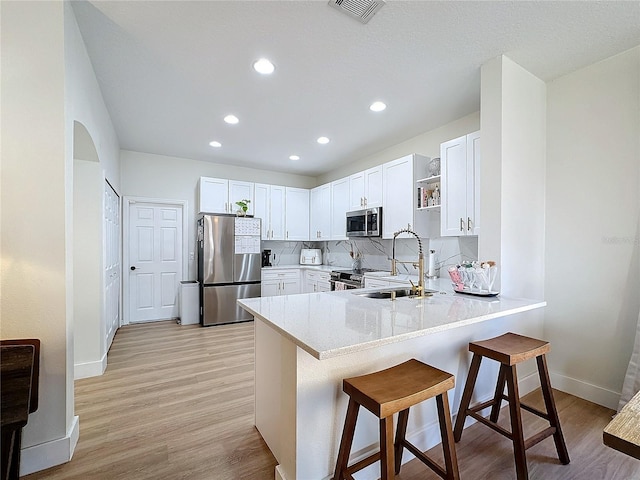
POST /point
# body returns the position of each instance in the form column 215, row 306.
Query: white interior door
column 155, row 261
column 111, row 263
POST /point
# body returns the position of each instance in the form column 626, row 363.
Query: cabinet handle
column 365, row 202
column 287, row 235
column 469, row 224
column 461, row 224
column 408, row 226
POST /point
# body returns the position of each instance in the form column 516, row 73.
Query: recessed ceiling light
column 377, row 106
column 215, row 144
column 232, row 119
column 294, row 157
column 323, row 140
column 264, row 66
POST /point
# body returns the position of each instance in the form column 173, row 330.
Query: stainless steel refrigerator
column 229, row 263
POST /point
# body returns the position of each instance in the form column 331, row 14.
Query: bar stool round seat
column 509, row 350
column 385, row 393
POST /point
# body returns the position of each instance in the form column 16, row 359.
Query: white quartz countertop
column 330, row 324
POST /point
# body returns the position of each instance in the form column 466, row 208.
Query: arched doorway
column 96, row 254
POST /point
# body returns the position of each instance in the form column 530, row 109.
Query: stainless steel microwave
column 365, row 223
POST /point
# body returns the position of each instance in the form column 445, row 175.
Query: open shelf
column 433, row 179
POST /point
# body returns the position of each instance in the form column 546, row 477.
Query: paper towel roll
column 431, row 269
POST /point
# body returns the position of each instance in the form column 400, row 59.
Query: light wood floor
column 176, row 402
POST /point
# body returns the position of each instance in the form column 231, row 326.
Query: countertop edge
column 326, row 354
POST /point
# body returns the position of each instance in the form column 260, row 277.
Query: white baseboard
column 279, row 473
column 49, row 454
column 90, row 369
column 579, row 388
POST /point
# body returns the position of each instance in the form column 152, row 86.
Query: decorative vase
column 434, row 167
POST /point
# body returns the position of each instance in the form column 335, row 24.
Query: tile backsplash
column 376, row 253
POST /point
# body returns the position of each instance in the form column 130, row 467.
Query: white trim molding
column 49, row 454
column 579, row 388
column 90, row 369
column 127, row 201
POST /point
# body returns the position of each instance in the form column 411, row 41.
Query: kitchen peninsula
column 306, row 344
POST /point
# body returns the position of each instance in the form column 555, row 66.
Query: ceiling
column 170, row 71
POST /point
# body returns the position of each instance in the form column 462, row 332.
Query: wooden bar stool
column 510, row 349
column 384, row 393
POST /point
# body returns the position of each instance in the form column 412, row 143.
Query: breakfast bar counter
column 306, row 344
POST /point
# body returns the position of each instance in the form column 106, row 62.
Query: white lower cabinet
column 375, row 283
column 316, row 281
column 280, row 282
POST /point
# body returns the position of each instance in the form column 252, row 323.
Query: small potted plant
column 244, row 206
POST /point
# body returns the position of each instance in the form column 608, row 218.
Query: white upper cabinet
column 239, row 191
column 339, row 208
column 296, row 214
column 400, row 197
column 218, row 195
column 269, row 206
column 460, row 164
column 320, row 213
column 213, row 195
column 366, row 189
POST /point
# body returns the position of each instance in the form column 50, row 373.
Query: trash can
column 189, row 303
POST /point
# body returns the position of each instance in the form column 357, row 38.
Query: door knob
column 133, row 268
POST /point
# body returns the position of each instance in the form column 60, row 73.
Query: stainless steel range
column 349, row 279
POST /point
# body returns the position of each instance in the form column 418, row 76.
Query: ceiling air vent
column 361, row 10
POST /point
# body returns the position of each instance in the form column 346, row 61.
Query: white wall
column 513, row 111
column 592, row 261
column 427, row 144
column 88, row 329
column 47, row 84
column 512, row 176
column 87, row 113
column 85, row 103
column 35, row 278
column 159, row 176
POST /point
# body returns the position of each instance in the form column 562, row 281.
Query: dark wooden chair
column 19, row 372
column 509, row 350
column 390, row 391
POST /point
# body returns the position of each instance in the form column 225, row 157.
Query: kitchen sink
column 386, row 294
